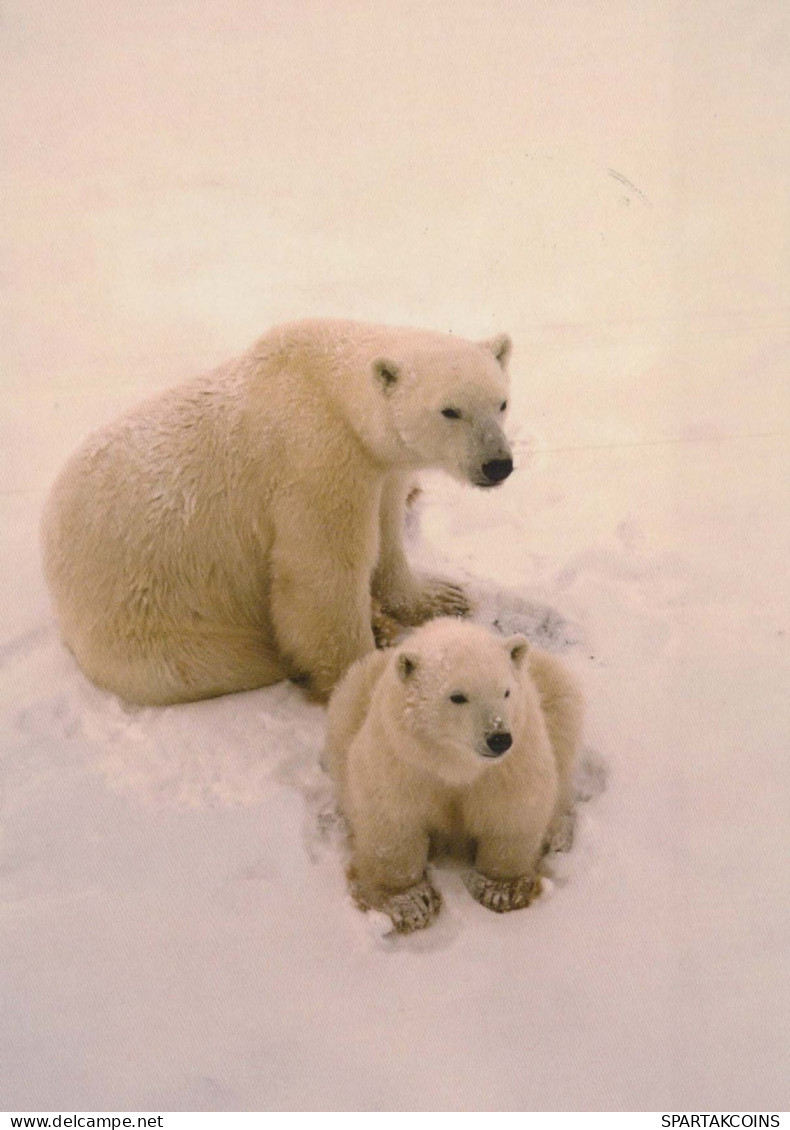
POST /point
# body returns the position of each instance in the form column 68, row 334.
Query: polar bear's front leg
column 394, row 586
column 319, row 606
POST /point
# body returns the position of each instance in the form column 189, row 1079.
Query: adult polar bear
column 231, row 532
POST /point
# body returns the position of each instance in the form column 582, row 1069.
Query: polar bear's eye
column 458, row 698
column 503, row 406
column 451, row 413
column 507, row 693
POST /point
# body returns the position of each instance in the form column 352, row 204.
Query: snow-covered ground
column 608, row 182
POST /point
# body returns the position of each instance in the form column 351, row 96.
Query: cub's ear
column 501, row 346
column 517, row 647
column 386, row 373
column 407, row 665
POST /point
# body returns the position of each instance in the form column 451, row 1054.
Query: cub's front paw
column 413, row 909
column 501, row 895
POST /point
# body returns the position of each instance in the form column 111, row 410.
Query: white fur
column 231, row 532
column 413, row 767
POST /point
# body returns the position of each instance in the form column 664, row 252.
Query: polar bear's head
column 459, row 696
column 444, row 402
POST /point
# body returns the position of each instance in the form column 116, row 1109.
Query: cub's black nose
column 497, row 470
column 499, row 743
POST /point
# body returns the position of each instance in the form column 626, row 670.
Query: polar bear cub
column 457, row 739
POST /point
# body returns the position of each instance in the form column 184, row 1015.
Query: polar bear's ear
column 407, row 665
column 386, row 373
column 517, row 647
column 501, row 346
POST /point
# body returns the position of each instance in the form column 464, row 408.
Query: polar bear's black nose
column 496, row 470
column 499, row 743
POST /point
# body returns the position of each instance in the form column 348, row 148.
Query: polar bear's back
column 137, row 488
column 142, row 543
column 562, row 705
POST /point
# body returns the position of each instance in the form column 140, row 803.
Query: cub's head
column 459, row 692
column 445, row 401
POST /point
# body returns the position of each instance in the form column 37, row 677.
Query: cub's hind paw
column 501, row 895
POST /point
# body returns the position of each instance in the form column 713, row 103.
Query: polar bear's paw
column 419, row 601
column 386, row 629
column 441, row 598
column 413, row 909
column 501, row 895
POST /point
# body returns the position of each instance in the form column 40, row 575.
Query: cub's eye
column 503, row 406
column 451, row 413
column 458, row 698
column 507, row 693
